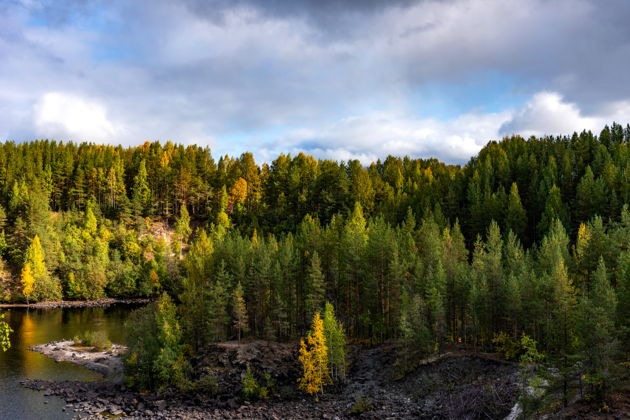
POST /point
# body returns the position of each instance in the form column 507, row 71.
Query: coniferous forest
column 530, row 240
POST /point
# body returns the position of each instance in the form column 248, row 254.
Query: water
column 39, row 326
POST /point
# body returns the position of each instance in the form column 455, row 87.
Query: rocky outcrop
column 107, row 363
column 449, row 386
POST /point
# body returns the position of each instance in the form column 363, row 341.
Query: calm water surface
column 40, row 326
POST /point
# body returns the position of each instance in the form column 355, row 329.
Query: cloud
column 376, row 135
column 547, row 114
column 343, row 73
column 62, row 116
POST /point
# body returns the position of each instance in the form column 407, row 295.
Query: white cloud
column 376, row 135
column 547, row 114
column 63, row 116
column 169, row 72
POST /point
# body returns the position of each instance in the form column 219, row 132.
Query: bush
column 523, row 349
column 361, row 405
column 253, row 390
column 506, row 345
column 207, row 384
column 96, row 339
column 250, row 385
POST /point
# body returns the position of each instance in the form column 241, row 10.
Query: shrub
column 361, row 405
column 253, row 389
column 250, row 385
column 206, row 384
column 96, row 339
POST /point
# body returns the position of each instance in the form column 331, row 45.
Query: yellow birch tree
column 28, row 281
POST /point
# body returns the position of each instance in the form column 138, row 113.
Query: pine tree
column 222, row 220
column 218, row 315
column 554, row 209
column 239, row 311
column 314, row 359
column 515, row 216
column 169, row 335
column 336, row 342
column 196, row 288
column 182, row 228
column 564, row 320
column 623, row 292
column 316, row 289
column 90, row 224
column 141, row 198
column 596, row 331
column 155, row 359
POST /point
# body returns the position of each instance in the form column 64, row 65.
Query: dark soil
column 461, row 386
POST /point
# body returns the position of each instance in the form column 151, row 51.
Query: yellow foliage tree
column 28, row 280
column 314, row 359
column 238, row 194
column 155, row 279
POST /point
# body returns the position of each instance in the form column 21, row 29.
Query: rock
column 421, row 393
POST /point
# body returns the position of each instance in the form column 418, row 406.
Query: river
column 38, row 326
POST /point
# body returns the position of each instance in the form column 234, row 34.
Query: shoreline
column 473, row 382
column 107, row 363
column 96, row 303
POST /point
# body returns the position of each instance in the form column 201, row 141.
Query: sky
column 335, row 79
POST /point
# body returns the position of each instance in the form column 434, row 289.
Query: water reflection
column 32, row 327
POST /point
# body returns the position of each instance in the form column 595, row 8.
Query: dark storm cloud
column 323, row 12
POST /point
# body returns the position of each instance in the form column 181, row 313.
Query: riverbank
column 449, row 386
column 107, row 363
column 96, row 303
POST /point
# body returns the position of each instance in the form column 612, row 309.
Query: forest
column 531, row 238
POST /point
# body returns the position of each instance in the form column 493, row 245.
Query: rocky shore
column 102, row 400
column 449, row 386
column 96, row 303
column 107, row 363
